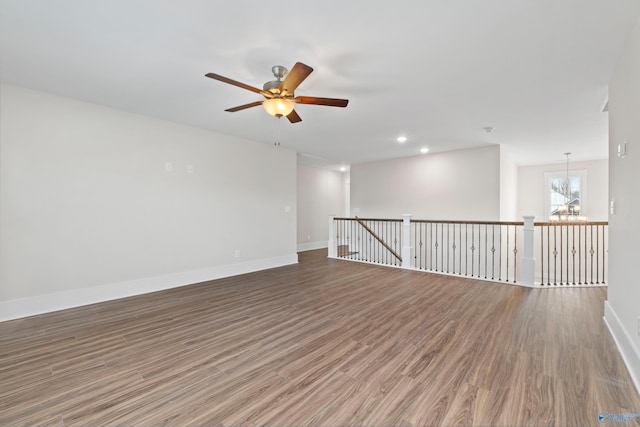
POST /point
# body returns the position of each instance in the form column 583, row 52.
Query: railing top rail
column 368, row 219
column 447, row 221
column 573, row 223
column 439, row 221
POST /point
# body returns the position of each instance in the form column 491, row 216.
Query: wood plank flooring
column 322, row 343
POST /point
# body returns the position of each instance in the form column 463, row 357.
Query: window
column 560, row 192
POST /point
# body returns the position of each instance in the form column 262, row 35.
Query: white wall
column 508, row 188
column 622, row 309
column 321, row 193
column 457, row 185
column 88, row 211
column 532, row 190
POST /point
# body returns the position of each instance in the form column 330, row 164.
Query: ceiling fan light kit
column 279, row 94
column 278, row 107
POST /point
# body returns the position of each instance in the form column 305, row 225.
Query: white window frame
column 550, row 176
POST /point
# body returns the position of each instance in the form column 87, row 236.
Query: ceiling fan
column 280, row 98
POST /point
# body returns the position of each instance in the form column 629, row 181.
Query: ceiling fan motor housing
column 279, row 72
column 273, row 86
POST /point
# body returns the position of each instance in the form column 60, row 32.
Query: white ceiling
column 437, row 71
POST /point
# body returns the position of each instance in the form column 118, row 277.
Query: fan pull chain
column 277, row 132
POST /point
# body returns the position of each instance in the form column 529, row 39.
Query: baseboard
column 31, row 306
column 312, row 246
column 628, row 350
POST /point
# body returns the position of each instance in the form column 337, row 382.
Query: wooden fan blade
column 294, row 117
column 224, row 79
column 331, row 102
column 298, row 73
column 242, row 107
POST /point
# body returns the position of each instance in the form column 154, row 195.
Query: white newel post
column 528, row 262
column 406, row 241
column 333, row 248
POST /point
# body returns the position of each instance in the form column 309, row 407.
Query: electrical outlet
column 237, row 253
column 168, row 166
column 189, row 168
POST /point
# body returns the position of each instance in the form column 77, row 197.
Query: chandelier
column 570, row 211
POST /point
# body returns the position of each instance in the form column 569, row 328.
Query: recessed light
column 424, row 150
column 342, row 168
column 401, row 139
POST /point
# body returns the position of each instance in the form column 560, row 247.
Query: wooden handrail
column 435, row 221
column 382, row 242
column 366, row 219
column 559, row 223
column 446, row 221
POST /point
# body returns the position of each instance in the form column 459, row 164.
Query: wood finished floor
column 322, row 343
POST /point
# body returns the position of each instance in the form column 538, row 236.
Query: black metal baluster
column 398, row 240
column 374, row 247
column 348, row 237
column 419, row 244
column 353, row 243
column 339, row 236
column 573, row 254
column 542, row 255
column 597, row 255
column 561, row 266
column 507, row 256
column 345, row 237
column 454, row 249
column 380, row 254
column 378, row 230
column 466, row 249
column 485, row 250
column 580, row 229
column 567, row 254
column 515, row 254
column 437, row 244
column 357, row 236
column 373, row 257
column 385, row 238
column 493, row 251
column 500, row 254
column 549, row 254
column 479, row 251
column 604, row 252
column 430, row 246
column 473, row 248
column 555, row 254
column 459, row 250
column 443, row 246
column 591, row 251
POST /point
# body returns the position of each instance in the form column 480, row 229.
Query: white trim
column 628, row 350
column 312, row 246
column 23, row 307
